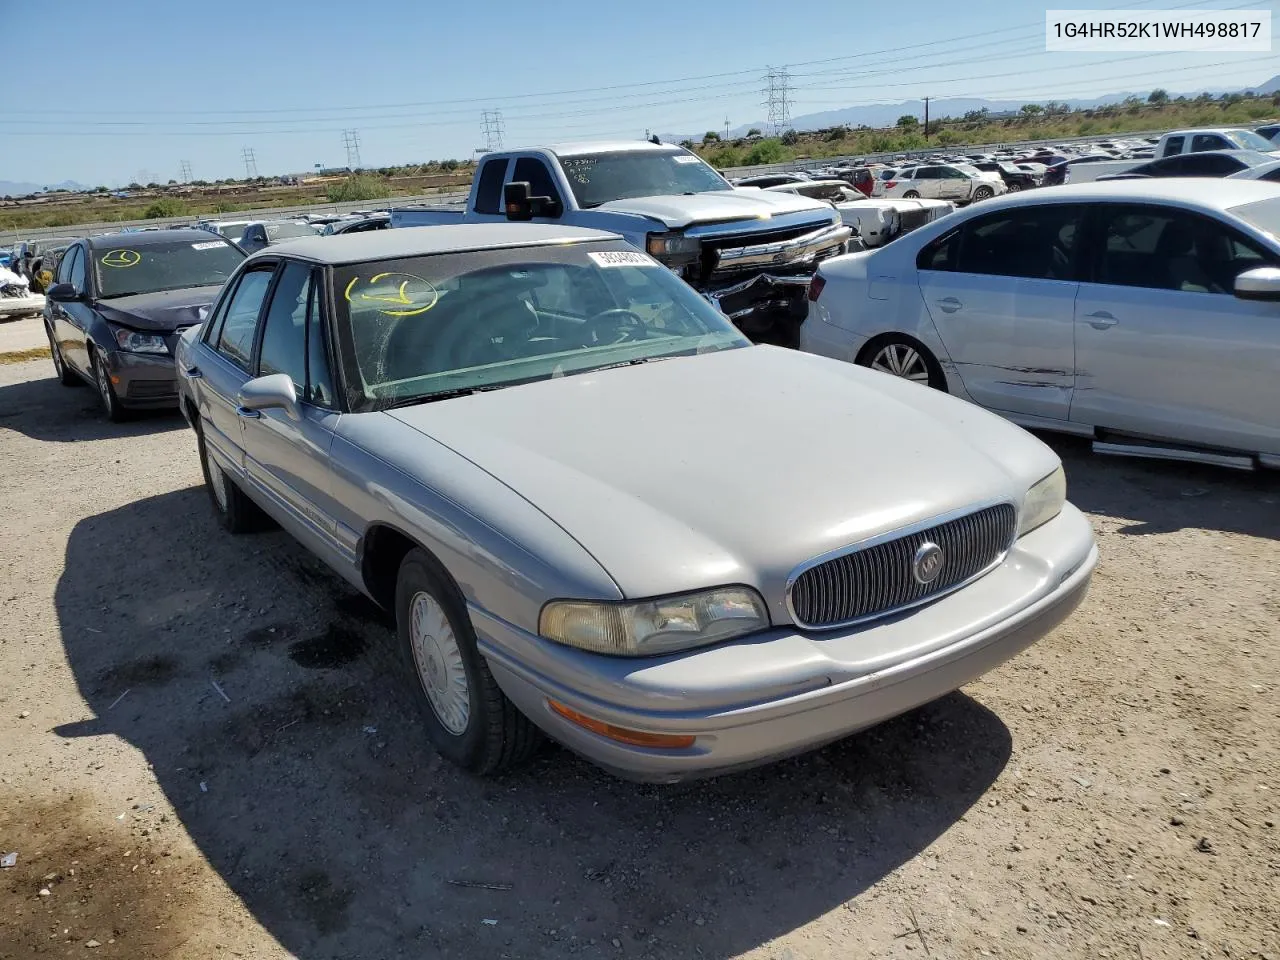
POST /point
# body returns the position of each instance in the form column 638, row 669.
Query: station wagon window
column 536, row 174
column 1166, row 249
column 926, row 173
column 1034, row 242
column 235, row 338
column 489, row 191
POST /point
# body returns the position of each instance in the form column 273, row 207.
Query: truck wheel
column 469, row 719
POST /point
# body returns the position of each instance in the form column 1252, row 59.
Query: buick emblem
column 927, row 563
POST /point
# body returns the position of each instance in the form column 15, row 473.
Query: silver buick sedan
column 598, row 512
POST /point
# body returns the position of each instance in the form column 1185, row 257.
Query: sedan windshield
column 175, row 265
column 597, row 178
column 426, row 328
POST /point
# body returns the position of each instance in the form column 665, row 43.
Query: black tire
column 1015, row 187
column 878, row 345
column 66, row 376
column 235, row 512
column 983, row 193
column 911, row 195
column 106, row 391
column 497, row 736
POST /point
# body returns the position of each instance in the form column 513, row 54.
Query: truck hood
column 164, row 311
column 733, row 467
column 719, row 206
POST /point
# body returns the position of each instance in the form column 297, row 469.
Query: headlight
column 646, row 627
column 672, row 246
column 136, row 342
column 1043, row 502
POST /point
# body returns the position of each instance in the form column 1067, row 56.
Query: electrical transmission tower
column 351, row 140
column 493, row 129
column 185, row 171
column 777, row 99
column 250, row 163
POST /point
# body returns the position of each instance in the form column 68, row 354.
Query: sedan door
column 287, row 451
column 1164, row 348
column 1001, row 292
column 952, row 184
column 222, row 360
column 71, row 319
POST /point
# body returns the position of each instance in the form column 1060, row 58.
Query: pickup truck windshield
column 597, row 178
column 152, row 267
column 1248, row 140
column 426, row 328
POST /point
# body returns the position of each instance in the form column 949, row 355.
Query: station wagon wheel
column 911, row 195
column 903, row 358
column 66, row 376
column 468, row 718
column 983, row 193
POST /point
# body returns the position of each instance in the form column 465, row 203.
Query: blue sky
column 127, row 90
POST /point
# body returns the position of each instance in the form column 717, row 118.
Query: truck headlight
column 672, row 247
column 646, row 627
column 1043, row 501
column 135, row 342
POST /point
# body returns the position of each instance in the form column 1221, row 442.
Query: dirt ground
column 202, row 754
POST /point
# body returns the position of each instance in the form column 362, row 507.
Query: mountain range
column 11, row 188
column 887, row 114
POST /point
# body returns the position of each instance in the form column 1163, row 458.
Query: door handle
column 949, row 304
column 192, row 373
column 1100, row 320
column 247, row 414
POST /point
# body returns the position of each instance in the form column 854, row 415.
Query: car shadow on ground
column 46, row 410
column 305, row 779
column 1159, row 496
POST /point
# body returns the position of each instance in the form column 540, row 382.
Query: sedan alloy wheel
column 901, row 360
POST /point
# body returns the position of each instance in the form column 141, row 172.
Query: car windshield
column 967, row 169
column 173, row 265
column 284, row 230
column 597, row 178
column 232, row 231
column 424, row 328
column 1263, row 214
column 1248, row 140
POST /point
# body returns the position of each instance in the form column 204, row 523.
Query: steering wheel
column 618, row 325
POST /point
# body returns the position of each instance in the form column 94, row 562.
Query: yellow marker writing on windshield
column 400, row 298
column 121, row 258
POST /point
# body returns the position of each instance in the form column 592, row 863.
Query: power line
column 250, row 163
column 493, row 129
column 777, row 100
column 351, row 141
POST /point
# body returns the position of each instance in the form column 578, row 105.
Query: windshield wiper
column 440, row 395
column 632, row 363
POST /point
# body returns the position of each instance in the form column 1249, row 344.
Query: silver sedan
column 598, row 512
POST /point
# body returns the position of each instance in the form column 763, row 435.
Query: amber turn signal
column 635, row 738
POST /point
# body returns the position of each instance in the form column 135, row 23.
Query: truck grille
column 880, row 579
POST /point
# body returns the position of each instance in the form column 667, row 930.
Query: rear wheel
column 911, row 195
column 1015, row 187
column 65, row 375
column 469, row 719
column 904, row 358
column 235, row 511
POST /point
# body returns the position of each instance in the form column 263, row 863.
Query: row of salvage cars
column 514, row 437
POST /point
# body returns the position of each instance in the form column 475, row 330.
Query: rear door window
column 1173, row 145
column 1208, row 141
column 1033, row 242
column 489, row 191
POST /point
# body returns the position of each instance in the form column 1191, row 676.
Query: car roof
column 1179, row 133
column 1184, row 191
column 574, row 148
column 1252, row 157
column 429, row 241
column 145, row 238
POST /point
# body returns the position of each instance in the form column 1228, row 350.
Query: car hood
column 719, row 206
column 733, row 467
column 164, row 311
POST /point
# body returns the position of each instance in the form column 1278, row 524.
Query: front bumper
column 784, row 692
column 142, row 381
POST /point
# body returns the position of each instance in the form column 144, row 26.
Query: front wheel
column 106, row 390
column 983, row 193
column 906, row 359
column 469, row 719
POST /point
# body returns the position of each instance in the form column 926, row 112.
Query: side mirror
column 272, row 392
column 515, row 200
column 1261, row 283
column 62, row 292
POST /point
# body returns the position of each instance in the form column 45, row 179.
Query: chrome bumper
column 795, row 252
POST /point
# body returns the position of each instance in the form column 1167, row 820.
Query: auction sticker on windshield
column 208, row 244
column 623, row 258
column 393, row 294
column 121, row 258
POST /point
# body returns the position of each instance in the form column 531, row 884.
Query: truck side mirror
column 546, row 207
column 515, row 200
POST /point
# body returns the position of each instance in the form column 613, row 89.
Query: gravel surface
column 205, row 751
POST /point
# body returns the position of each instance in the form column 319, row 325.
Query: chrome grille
column 876, row 580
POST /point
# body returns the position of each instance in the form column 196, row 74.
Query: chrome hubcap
column 439, row 661
column 217, row 480
column 901, row 361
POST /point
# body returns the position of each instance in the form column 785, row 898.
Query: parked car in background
column 1084, row 309
column 1014, row 178
column 1210, row 163
column 1263, row 171
column 16, row 298
column 119, row 303
column 751, row 252
column 37, row 260
column 1270, row 131
column 230, row 229
column 861, row 178
column 378, row 221
column 266, row 232
column 876, row 221
column 955, row 182
column 1213, row 138
column 462, row 422
column 772, row 179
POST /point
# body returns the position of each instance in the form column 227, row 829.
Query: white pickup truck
column 1212, row 138
column 750, row 252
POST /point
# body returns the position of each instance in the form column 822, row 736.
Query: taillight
column 890, row 183
column 816, row 283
